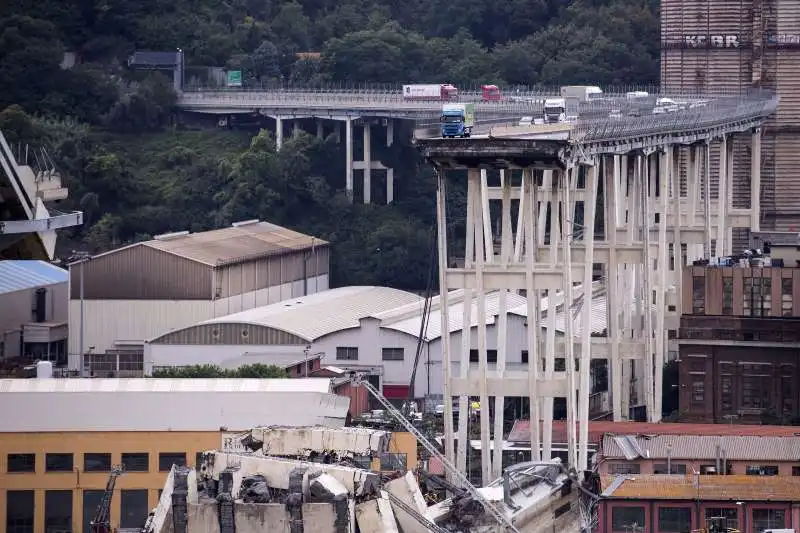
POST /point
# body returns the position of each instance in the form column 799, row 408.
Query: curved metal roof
column 316, row 315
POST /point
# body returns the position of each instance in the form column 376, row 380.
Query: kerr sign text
column 711, row 41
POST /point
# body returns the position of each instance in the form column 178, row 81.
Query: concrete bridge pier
column 367, row 165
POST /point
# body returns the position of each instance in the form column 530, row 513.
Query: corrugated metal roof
column 521, row 432
column 408, row 318
column 21, row 275
column 81, row 385
column 230, row 245
column 316, row 315
column 708, row 488
column 628, row 445
column 736, row 447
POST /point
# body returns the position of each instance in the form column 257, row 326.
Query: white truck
column 583, row 93
column 555, row 110
column 438, row 91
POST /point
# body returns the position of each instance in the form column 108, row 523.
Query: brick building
column 740, row 344
column 677, row 503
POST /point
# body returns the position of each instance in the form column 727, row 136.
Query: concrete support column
column 441, row 220
column 389, row 171
column 320, row 130
column 722, row 199
column 646, row 294
column 367, row 164
column 348, row 139
column 278, row 132
column 568, row 181
column 613, row 287
column 755, row 180
column 589, row 205
column 707, row 197
column 296, row 128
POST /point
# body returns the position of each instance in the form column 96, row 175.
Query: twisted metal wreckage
column 299, row 480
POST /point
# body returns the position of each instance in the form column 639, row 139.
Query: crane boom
column 450, row 467
column 102, row 516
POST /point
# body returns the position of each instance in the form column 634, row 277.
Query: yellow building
column 60, row 438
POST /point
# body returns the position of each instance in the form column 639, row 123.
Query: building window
column 698, row 295
column 167, row 459
column 730, row 514
column 768, row 519
column 136, row 462
column 698, row 391
column 757, row 296
column 346, row 353
column 19, row 511
column 133, row 509
column 624, row 468
column 58, row 511
column 726, row 393
column 786, row 297
column 91, row 499
column 727, row 296
column 761, row 470
column 21, row 462
column 560, row 364
column 389, row 354
column 58, row 462
column 97, row 462
column 674, row 519
column 675, row 468
column 796, row 470
column 393, row 462
column 630, row 519
column 523, row 357
column 671, row 252
column 491, row 356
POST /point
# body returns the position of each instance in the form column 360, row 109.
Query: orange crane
column 102, row 516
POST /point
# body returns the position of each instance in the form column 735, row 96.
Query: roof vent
column 245, row 223
column 170, row 236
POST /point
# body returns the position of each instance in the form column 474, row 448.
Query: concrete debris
column 313, row 441
column 255, row 489
column 245, row 492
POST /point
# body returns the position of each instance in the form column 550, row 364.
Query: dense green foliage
column 257, row 370
column 136, row 170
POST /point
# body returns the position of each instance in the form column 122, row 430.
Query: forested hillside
column 137, row 170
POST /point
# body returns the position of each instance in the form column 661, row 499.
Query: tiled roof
column 521, row 430
column 735, row 447
column 28, row 274
column 708, row 488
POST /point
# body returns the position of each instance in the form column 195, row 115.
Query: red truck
column 490, row 93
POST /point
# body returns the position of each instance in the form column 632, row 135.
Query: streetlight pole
column 81, row 257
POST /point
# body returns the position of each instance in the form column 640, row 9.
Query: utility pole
column 81, row 257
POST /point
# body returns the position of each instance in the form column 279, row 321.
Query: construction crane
column 491, row 509
column 102, row 516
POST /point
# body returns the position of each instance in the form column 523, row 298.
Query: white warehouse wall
column 110, row 321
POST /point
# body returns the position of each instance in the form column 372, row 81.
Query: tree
column 258, row 371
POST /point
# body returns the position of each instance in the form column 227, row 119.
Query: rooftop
column 162, row 404
column 521, row 430
column 316, row 315
column 709, row 488
column 18, row 275
column 241, row 242
column 735, row 447
column 176, row 385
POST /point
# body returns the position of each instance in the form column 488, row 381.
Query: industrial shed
column 121, row 298
column 33, row 310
